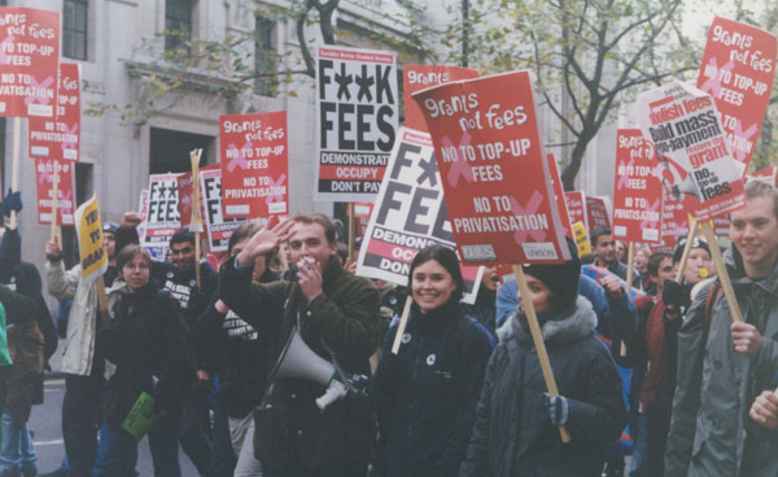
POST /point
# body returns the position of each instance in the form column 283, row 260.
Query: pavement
column 46, row 425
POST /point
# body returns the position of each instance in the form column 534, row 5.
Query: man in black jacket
column 336, row 314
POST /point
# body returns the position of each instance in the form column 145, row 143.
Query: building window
column 74, row 23
column 264, row 58
column 178, row 23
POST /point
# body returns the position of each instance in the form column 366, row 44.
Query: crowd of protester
column 654, row 377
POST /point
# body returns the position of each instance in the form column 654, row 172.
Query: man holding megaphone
column 323, row 325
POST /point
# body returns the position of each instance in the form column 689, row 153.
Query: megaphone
column 299, row 361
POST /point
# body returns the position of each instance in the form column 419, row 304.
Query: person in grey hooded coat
column 723, row 366
column 516, row 428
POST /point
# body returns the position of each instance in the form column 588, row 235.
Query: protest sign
column 59, row 137
column 675, row 219
column 738, row 70
column 46, row 172
column 496, row 178
column 362, row 211
column 185, row 195
column 254, row 164
column 409, row 214
column 766, row 174
column 597, row 212
column 637, row 189
column 685, row 127
column 219, row 229
column 162, row 217
column 581, row 237
column 357, row 117
column 576, row 207
column 29, row 55
column 559, row 193
column 143, row 209
column 418, row 77
column 89, row 228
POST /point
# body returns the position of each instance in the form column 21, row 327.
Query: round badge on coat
column 406, row 338
column 193, row 283
column 431, row 359
column 170, row 274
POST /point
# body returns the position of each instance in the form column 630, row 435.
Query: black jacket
column 427, row 394
column 513, row 434
column 345, row 319
column 237, row 353
column 145, row 338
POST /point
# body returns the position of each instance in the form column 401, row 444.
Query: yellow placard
column 582, row 242
column 94, row 260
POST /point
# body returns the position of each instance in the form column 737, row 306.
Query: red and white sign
column 357, row 111
column 59, row 137
column 45, row 176
column 767, row 175
column 738, row 70
column 597, row 212
column 185, row 196
column 29, row 55
column 685, row 127
column 637, row 189
column 362, row 211
column 495, row 174
column 219, row 229
column 675, row 219
column 419, row 77
column 254, row 163
column 409, row 215
column 576, row 207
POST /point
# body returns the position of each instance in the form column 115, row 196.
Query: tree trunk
column 576, row 159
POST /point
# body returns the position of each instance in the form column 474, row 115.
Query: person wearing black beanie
column 589, row 403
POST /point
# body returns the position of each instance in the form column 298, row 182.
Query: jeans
column 242, row 431
column 16, row 450
column 223, row 457
column 163, row 441
column 80, row 418
column 118, row 453
column 639, row 453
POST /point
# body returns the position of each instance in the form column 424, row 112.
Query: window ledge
column 193, row 79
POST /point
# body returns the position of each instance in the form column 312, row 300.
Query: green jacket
column 711, row 434
column 343, row 319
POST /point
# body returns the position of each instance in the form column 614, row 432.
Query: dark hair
column 245, row 231
column 447, row 259
column 599, row 232
column 182, row 236
column 330, row 231
column 128, row 253
column 655, row 260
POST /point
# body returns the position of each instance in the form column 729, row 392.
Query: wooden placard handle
column 351, row 238
column 402, row 324
column 721, row 270
column 17, row 144
column 537, row 339
column 630, row 273
column 687, row 248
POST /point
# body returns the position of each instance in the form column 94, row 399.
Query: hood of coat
column 576, row 326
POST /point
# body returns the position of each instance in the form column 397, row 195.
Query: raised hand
column 53, row 250
column 264, row 241
column 309, row 278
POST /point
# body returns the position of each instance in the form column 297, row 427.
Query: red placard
column 59, row 137
column 495, row 174
column 675, row 218
column 738, row 70
column 559, row 193
column 45, row 175
column 254, row 163
column 418, row 77
column 29, row 55
column 766, row 174
column 576, row 207
column 185, row 195
column 637, row 189
column 597, row 212
column 362, row 211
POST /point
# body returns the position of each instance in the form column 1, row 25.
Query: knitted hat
column 696, row 243
column 561, row 279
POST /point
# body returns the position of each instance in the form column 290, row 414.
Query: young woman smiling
column 427, row 393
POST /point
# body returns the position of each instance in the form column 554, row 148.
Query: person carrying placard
column 723, row 364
